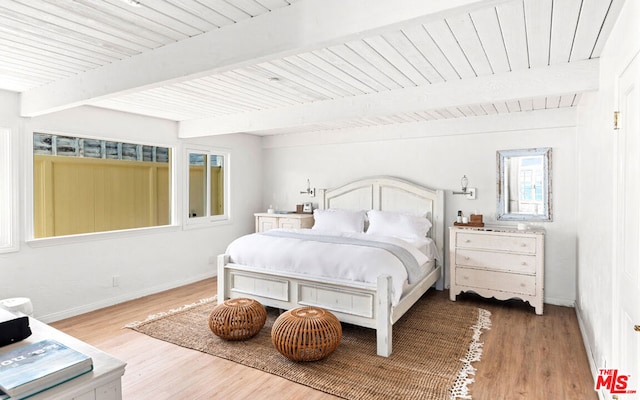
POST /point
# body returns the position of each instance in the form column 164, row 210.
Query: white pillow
column 339, row 220
column 397, row 224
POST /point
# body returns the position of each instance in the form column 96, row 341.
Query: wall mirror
column 524, row 185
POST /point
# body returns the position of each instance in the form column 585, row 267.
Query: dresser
column 266, row 221
column 500, row 262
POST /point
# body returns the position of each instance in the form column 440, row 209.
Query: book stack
column 35, row 367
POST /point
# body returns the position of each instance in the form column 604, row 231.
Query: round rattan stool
column 237, row 319
column 306, row 334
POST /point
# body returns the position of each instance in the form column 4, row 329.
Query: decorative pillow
column 339, row 220
column 397, row 224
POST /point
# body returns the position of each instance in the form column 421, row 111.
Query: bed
column 376, row 303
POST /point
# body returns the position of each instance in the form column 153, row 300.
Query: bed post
column 223, row 259
column 439, row 229
column 322, row 203
column 383, row 317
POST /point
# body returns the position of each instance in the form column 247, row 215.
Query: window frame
column 208, row 220
column 32, row 241
column 9, row 194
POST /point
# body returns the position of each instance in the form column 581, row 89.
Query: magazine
column 35, row 367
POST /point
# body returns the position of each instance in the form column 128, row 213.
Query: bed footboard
column 356, row 304
column 359, row 304
column 384, row 326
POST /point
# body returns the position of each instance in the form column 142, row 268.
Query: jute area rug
column 434, row 345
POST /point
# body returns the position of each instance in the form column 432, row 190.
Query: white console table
column 103, row 383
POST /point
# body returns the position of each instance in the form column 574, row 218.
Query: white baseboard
column 85, row 308
column 592, row 362
column 560, row 302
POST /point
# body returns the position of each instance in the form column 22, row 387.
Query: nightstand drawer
column 520, row 263
column 517, row 244
column 295, row 223
column 268, row 221
column 506, row 282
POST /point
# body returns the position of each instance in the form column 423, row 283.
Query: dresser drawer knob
column 523, row 245
column 524, row 263
column 468, row 241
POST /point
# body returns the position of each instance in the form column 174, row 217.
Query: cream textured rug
column 434, row 345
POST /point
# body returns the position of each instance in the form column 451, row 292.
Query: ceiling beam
column 302, row 26
column 515, row 122
column 554, row 80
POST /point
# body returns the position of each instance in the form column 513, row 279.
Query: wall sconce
column 468, row 192
column 309, row 191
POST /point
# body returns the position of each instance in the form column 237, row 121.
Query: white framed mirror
column 524, row 185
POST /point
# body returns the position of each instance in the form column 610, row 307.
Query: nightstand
column 500, row 262
column 266, row 221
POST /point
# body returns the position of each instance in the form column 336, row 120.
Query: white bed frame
column 366, row 305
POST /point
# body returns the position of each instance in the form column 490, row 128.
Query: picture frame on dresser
column 500, row 262
column 307, row 207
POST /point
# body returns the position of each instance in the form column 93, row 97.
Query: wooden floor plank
column 526, row 356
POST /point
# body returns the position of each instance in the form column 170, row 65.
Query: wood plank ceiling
column 47, row 41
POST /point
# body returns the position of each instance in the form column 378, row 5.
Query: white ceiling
column 281, row 66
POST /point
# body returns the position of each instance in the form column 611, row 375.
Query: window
column 8, row 195
column 530, row 176
column 207, row 186
column 83, row 185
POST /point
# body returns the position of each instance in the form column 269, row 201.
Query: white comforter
column 328, row 260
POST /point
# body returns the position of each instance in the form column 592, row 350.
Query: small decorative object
column 459, row 217
column 271, row 210
column 474, row 221
column 306, row 334
column 299, row 208
column 237, row 319
column 307, row 207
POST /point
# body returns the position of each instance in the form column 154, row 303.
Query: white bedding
column 346, row 262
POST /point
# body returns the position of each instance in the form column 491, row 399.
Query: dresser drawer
column 506, row 282
column 520, row 263
column 518, row 244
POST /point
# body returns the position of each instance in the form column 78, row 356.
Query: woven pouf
column 237, row 319
column 306, row 334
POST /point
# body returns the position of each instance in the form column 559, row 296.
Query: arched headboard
column 387, row 193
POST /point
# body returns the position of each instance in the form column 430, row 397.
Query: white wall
column 438, row 162
column 596, row 157
column 71, row 278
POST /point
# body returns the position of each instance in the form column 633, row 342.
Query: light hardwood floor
column 525, row 356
